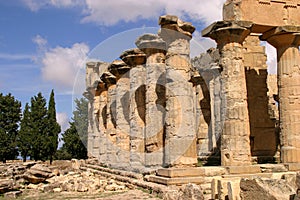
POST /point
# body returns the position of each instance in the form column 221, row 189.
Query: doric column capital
column 283, row 36
column 152, row 44
column 118, row 68
column 133, row 57
column 108, row 78
column 171, row 22
column 228, row 31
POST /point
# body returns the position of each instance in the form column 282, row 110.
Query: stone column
column 235, row 141
column 92, row 75
column 102, row 90
column 286, row 40
column 111, row 149
column 180, row 147
column 120, row 70
column 136, row 59
column 90, row 144
column 154, row 48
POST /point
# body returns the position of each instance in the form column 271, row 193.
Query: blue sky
column 44, row 43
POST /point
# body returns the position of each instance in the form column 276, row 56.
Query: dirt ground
column 126, row 195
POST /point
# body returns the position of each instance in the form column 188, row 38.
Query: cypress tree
column 75, row 137
column 39, row 128
column 53, row 128
column 80, row 118
column 10, row 115
column 73, row 147
column 24, row 139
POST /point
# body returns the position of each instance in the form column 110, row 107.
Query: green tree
column 73, row 147
column 24, row 139
column 39, row 127
column 80, row 118
column 53, row 128
column 10, row 115
column 75, row 137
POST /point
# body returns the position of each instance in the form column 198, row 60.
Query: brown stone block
column 250, row 169
column 176, row 181
column 293, row 166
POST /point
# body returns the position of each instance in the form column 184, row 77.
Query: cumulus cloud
column 113, row 11
column 63, row 120
column 61, row 64
column 35, row 5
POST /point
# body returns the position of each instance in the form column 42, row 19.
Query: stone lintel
column 282, row 36
column 247, row 169
column 133, row 57
column 174, row 23
column 228, row 31
column 108, row 78
column 151, row 41
column 279, row 12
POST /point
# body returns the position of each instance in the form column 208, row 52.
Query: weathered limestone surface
column 259, row 189
column 286, row 40
column 235, row 139
column 279, row 12
column 136, row 59
column 154, row 48
column 111, row 150
column 120, row 70
column 256, row 79
column 180, row 147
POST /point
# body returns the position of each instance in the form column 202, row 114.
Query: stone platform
column 204, row 175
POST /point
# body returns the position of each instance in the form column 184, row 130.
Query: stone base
column 175, row 181
column 191, row 172
column 292, row 166
column 250, row 169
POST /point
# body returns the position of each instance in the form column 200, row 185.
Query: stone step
column 191, row 172
column 175, row 181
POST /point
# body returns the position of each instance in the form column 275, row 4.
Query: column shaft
column 235, row 138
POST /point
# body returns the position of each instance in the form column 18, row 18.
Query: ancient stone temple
column 156, row 107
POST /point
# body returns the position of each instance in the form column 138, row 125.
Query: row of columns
column 235, row 144
column 147, row 112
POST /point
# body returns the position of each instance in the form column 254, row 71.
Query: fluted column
column 154, row 48
column 180, row 148
column 286, row 40
column 111, row 150
column 235, row 139
column 120, row 70
column 102, row 90
column 136, row 59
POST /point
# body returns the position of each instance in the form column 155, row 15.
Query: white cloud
column 61, row 64
column 40, row 41
column 113, row 11
column 271, row 58
column 35, row 5
column 63, row 120
column 7, row 56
